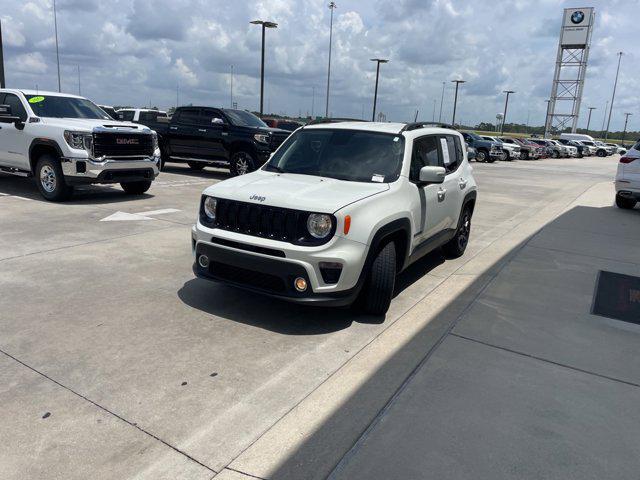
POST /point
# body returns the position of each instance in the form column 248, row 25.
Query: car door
column 184, row 137
column 429, row 212
column 454, row 186
column 213, row 129
column 14, row 143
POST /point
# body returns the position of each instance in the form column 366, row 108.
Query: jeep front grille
column 117, row 144
column 274, row 223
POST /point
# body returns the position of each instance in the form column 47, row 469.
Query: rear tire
column 136, row 188
column 378, row 290
column 625, row 203
column 602, row 153
column 50, row 179
column 555, row 154
column 197, row 166
column 456, row 247
column 241, row 163
column 481, row 156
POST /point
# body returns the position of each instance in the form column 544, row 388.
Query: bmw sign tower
column 571, row 67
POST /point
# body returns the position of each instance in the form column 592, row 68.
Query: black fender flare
column 399, row 228
column 43, row 142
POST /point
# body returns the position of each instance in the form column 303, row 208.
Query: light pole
column 55, row 26
column 604, row 119
column 265, row 25
column 332, row 7
column 441, row 102
column 2, row 84
column 455, row 100
column 504, row 115
column 433, row 117
column 79, row 91
column 375, row 95
column 313, row 100
column 613, row 95
column 624, row 132
column 591, row 109
column 231, row 89
column 546, row 117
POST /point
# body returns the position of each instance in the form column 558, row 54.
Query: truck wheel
column 455, row 247
column 378, row 290
column 50, row 179
column 197, row 166
column 241, row 163
column 626, row 203
column 525, row 155
column 481, row 156
column 136, row 188
column 505, row 157
column 602, row 153
column 555, row 154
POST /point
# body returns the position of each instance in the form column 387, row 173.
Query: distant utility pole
column 79, row 90
column 604, row 119
column 55, row 26
column 613, row 96
column 504, row 115
column 264, row 25
column 433, row 117
column 455, row 101
column 332, row 7
column 313, row 99
column 231, row 94
column 591, row 109
column 177, row 95
column 441, row 102
column 375, row 95
column 2, row 84
column 626, row 119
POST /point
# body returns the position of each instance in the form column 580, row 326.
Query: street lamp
column 2, row 84
column 55, row 25
column 613, row 95
column 591, row 109
column 332, row 6
column 504, row 115
column 441, row 102
column 624, row 133
column 455, row 100
column 375, row 95
column 265, row 25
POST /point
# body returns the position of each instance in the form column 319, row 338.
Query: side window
column 451, row 156
column 189, row 116
column 127, row 115
column 148, row 116
column 425, row 154
column 16, row 106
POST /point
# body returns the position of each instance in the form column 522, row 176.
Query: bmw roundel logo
column 577, row 17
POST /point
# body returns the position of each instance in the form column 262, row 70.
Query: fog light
column 203, row 261
column 300, row 284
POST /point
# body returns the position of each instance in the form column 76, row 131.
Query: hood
column 89, row 124
column 278, row 131
column 298, row 192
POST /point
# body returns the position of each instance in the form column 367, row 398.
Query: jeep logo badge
column 257, row 198
column 577, row 17
column 127, row 141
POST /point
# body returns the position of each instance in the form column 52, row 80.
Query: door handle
column 463, row 184
column 441, row 194
column 173, row 128
column 204, row 130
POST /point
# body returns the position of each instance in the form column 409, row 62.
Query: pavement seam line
column 545, row 360
column 90, row 242
column 119, row 417
column 374, row 422
column 242, row 473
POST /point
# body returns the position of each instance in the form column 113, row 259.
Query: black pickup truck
column 202, row 136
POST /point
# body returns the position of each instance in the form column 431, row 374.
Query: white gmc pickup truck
column 64, row 140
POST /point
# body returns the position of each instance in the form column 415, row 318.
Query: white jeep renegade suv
column 337, row 212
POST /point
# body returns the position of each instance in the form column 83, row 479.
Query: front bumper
column 273, row 268
column 86, row 171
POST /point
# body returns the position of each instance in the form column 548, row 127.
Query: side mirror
column 430, row 175
column 217, row 121
column 471, row 153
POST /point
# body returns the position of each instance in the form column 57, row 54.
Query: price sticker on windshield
column 36, row 99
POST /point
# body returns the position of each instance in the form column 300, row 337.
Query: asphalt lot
column 117, row 363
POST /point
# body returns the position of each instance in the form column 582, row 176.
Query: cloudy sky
column 136, row 52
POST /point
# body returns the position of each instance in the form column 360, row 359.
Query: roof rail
column 334, row 120
column 415, row 125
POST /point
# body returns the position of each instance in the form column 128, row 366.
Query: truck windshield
column 65, row 107
column 243, row 118
column 351, row 155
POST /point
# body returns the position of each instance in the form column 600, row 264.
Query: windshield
column 475, row 136
column 65, row 107
column 244, row 119
column 586, row 142
column 351, row 155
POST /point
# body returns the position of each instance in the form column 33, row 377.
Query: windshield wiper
column 274, row 168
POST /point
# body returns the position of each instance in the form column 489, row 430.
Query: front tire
column 50, row 179
column 602, row 153
column 625, row 203
column 378, row 290
column 241, row 163
column 481, row 156
column 555, row 154
column 136, row 188
column 456, row 247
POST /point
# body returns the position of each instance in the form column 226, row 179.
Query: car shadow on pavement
column 207, row 173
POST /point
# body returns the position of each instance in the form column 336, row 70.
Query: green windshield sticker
column 36, row 99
